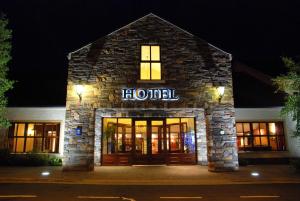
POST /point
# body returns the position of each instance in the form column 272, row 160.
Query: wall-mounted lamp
column 79, row 90
column 220, row 90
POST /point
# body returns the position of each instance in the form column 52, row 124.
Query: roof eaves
column 230, row 55
column 69, row 55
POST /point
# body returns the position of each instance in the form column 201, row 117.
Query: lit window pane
column 246, row 127
column 145, row 71
column 156, row 123
column 155, row 53
column 239, row 128
column 29, row 145
column 256, row 141
column 255, row 127
column 20, row 129
column 272, row 128
column 19, row 145
column 125, row 121
column 264, row 141
column 156, row 71
column 145, row 53
column 172, row 120
column 263, row 128
column 30, row 130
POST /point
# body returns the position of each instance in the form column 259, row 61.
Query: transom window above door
column 150, row 65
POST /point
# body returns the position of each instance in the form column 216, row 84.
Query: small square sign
column 78, row 130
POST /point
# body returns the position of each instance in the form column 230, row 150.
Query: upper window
column 260, row 136
column 150, row 66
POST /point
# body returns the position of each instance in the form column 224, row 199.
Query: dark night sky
column 257, row 33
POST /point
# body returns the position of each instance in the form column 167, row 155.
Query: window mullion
column 43, row 137
column 252, row 136
column 268, row 133
column 16, row 136
column 25, row 137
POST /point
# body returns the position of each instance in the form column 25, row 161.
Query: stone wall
column 190, row 65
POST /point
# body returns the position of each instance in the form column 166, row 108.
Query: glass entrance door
column 153, row 140
column 149, row 146
column 141, row 141
column 157, row 136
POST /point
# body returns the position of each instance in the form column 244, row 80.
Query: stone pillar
column 221, row 137
column 201, row 138
column 79, row 149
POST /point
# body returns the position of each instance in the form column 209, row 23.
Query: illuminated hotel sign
column 164, row 94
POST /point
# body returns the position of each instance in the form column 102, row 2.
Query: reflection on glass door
column 141, row 137
column 180, row 135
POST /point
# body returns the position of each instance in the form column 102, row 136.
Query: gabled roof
column 149, row 15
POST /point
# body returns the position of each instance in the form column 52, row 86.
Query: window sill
column 151, row 81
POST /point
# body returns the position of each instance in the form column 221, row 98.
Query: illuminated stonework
column 191, row 69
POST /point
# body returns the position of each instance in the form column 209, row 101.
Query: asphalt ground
column 85, row 192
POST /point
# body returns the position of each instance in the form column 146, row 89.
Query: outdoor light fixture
column 45, row 173
column 220, row 90
column 79, row 90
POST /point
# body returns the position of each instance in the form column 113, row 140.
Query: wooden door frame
column 149, row 136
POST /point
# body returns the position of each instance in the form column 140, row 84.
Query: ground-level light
column 45, row 173
column 254, row 174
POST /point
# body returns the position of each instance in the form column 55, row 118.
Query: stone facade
column 190, row 65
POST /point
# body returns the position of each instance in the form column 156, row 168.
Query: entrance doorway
column 149, row 137
column 153, row 140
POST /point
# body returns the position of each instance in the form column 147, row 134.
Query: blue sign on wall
column 78, row 130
